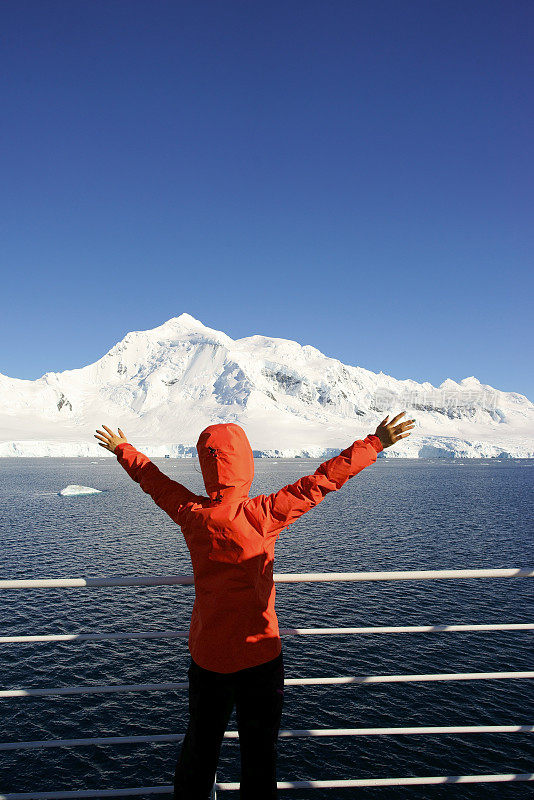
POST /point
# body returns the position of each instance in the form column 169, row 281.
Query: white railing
column 280, row 577
column 368, row 679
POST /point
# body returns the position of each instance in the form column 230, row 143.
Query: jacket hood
column 226, row 461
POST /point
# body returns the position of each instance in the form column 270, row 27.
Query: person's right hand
column 110, row 440
column 389, row 432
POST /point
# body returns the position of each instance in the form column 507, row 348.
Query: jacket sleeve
column 272, row 513
column 169, row 495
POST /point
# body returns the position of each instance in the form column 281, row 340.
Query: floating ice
column 75, row 489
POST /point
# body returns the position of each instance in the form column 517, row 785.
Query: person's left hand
column 109, row 439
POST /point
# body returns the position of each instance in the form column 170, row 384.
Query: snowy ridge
column 164, row 385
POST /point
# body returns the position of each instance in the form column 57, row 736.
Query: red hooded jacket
column 231, row 539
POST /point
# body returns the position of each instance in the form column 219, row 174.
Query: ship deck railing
column 172, row 580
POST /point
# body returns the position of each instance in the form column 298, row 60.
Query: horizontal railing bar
column 339, row 784
column 321, row 732
column 443, row 628
column 345, row 784
column 365, row 679
column 286, row 577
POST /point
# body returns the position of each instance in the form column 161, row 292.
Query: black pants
column 258, row 694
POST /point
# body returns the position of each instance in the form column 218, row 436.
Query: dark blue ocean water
column 405, row 514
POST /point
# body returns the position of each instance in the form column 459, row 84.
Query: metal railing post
column 213, row 792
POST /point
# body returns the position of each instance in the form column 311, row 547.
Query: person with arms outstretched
column 234, row 642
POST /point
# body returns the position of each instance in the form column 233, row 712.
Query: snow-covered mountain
column 163, row 386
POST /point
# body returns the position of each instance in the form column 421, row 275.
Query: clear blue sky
column 353, row 175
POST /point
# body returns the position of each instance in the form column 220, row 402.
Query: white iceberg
column 75, row 489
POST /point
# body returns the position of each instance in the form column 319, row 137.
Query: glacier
column 163, row 386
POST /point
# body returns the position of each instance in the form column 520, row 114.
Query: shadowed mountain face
column 163, row 386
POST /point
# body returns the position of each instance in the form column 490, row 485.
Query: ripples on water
column 394, row 515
